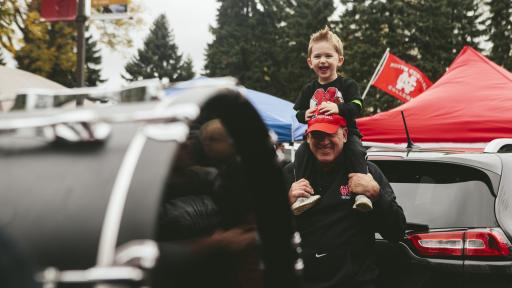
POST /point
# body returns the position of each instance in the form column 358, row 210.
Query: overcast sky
column 189, row 20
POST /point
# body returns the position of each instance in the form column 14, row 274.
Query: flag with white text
column 401, row 80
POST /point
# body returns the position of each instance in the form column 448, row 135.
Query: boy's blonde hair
column 326, row 35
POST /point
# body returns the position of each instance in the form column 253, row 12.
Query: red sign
column 401, row 80
column 58, row 10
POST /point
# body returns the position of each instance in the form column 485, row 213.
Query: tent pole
column 292, row 151
column 375, row 72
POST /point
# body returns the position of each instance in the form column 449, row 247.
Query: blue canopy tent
column 278, row 114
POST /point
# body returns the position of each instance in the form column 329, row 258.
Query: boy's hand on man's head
column 328, row 108
column 309, row 113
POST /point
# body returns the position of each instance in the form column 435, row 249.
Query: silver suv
column 458, row 207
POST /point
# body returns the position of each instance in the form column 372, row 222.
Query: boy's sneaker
column 302, row 204
column 362, row 203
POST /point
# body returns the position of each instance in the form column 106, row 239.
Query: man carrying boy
column 332, row 94
column 338, row 242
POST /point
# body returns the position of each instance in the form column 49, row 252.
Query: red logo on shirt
column 345, row 192
column 331, row 95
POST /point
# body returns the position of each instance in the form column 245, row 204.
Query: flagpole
column 376, row 71
column 292, row 150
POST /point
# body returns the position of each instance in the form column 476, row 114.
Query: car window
column 441, row 195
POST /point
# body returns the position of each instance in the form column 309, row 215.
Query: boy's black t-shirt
column 351, row 102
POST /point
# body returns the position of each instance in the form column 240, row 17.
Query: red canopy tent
column 470, row 103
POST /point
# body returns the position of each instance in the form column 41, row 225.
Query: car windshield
column 441, row 195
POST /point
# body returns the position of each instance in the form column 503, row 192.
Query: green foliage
column 229, row 52
column 364, row 28
column 8, row 19
column 37, row 54
column 159, row 57
column 263, row 49
column 64, row 68
column 187, row 69
column 442, row 30
column 500, row 32
column 49, row 49
column 92, row 62
column 264, row 43
column 426, row 34
column 62, row 43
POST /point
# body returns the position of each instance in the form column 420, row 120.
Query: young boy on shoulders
column 333, row 94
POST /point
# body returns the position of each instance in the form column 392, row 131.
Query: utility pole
column 81, row 18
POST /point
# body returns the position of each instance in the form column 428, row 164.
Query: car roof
column 469, row 157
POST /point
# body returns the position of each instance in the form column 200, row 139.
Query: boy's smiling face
column 324, row 60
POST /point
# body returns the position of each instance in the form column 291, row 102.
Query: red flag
column 401, row 80
column 58, row 10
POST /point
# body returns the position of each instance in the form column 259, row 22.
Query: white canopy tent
column 14, row 81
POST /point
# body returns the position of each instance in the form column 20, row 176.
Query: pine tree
column 248, row 44
column 228, row 54
column 273, row 47
column 500, row 32
column 159, row 57
column 455, row 22
column 187, row 69
column 48, row 49
column 264, row 43
column 65, row 73
column 62, row 38
column 93, row 62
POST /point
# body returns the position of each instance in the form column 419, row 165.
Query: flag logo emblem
column 400, row 79
column 345, row 192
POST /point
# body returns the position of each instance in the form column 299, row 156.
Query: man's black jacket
column 338, row 241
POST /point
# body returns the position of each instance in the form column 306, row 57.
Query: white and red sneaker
column 304, row 203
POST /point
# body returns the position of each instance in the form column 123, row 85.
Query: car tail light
column 438, row 243
column 488, row 242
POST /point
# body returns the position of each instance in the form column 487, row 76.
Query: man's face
column 326, row 147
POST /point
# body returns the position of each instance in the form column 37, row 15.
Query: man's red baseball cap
column 326, row 123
